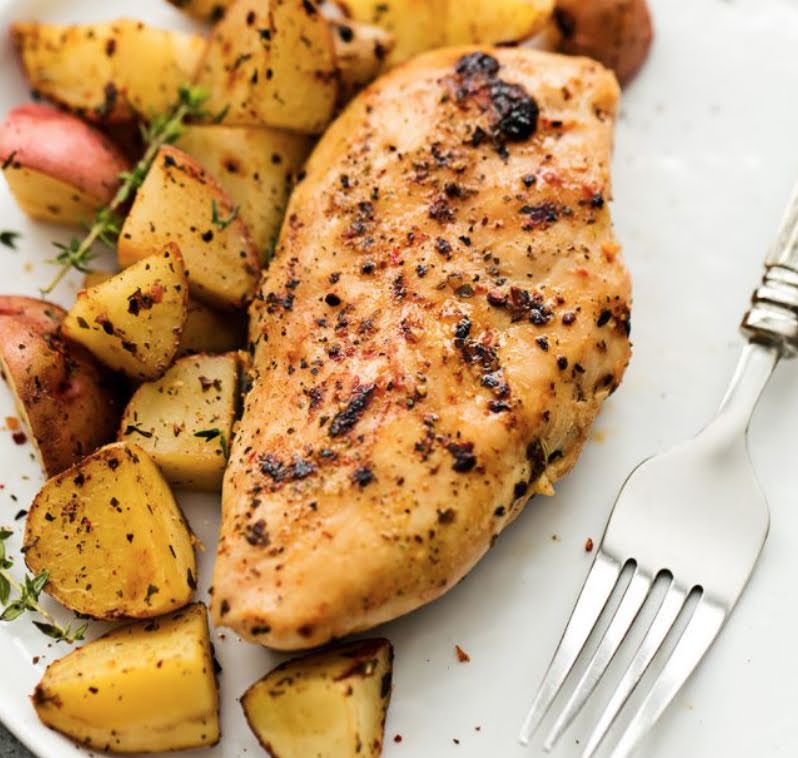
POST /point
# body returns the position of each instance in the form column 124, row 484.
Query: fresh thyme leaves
column 8, row 238
column 212, row 434
column 218, row 221
column 9, row 160
column 27, row 599
column 163, row 129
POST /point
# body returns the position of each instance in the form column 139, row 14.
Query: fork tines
column 696, row 636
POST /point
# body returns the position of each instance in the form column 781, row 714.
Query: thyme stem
column 162, row 130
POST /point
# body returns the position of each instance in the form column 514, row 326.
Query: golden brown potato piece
column 255, row 166
column 205, row 330
column 109, row 71
column 209, row 331
column 185, row 419
column 112, row 538
column 494, row 21
column 360, row 53
column 180, row 203
column 143, row 688
column 416, row 25
column 57, row 167
column 67, row 401
column 330, row 704
column 133, row 321
column 618, row 33
column 271, row 64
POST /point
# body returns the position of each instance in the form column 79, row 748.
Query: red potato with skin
column 58, row 168
column 67, row 401
column 617, row 33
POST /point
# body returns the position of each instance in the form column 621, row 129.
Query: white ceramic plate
column 706, row 152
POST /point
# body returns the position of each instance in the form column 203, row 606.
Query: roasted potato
column 111, row 537
column 493, row 21
column 416, row 25
column 271, row 64
column 255, row 166
column 57, row 167
column 184, row 421
column 133, row 321
column 109, row 71
column 205, row 330
column 330, row 704
column 180, row 203
column 618, row 33
column 146, row 687
column 360, row 53
column 69, row 403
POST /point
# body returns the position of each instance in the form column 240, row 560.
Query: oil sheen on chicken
column 445, row 313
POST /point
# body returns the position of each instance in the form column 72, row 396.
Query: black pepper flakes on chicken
column 376, row 464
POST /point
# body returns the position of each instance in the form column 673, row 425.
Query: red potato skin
column 73, row 404
column 617, row 33
column 62, row 146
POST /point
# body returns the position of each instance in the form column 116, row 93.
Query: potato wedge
column 416, row 25
column 69, row 403
column 330, row 704
column 360, row 53
column 180, row 203
column 494, row 21
column 57, row 167
column 271, row 64
column 255, row 166
column 617, row 33
column 145, row 687
column 184, row 421
column 209, row 331
column 107, row 72
column 111, row 537
column 133, row 321
column 205, row 330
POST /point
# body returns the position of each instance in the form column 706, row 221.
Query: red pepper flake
column 589, row 545
column 19, row 438
column 397, row 738
column 462, row 656
column 12, row 423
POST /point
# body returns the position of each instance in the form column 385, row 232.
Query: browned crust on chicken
column 445, row 313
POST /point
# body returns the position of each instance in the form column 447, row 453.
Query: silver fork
column 694, row 516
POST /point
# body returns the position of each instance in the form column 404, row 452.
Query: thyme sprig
column 27, row 599
column 212, row 434
column 163, row 129
column 221, row 222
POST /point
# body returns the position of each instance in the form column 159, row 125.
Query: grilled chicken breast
column 444, row 315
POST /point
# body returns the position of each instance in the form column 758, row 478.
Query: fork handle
column 773, row 316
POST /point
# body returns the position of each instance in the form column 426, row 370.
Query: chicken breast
column 445, row 313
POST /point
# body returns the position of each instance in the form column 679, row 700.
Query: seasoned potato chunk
column 179, row 202
column 416, row 25
column 108, row 71
column 205, row 330
column 360, row 53
column 271, row 64
column 255, row 166
column 111, row 537
column 185, row 419
column 330, row 704
column 68, row 402
column 133, row 321
column 145, row 687
column 492, row 21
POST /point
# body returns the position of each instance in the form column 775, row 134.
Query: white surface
column 706, row 152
